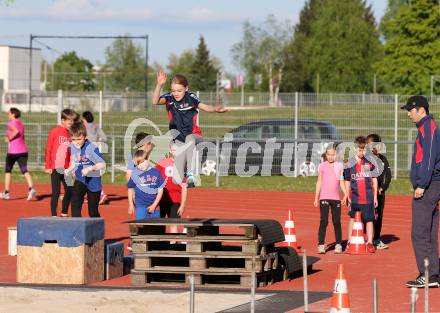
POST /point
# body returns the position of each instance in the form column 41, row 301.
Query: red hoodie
column 57, row 152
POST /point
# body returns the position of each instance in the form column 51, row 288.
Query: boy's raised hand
column 161, row 77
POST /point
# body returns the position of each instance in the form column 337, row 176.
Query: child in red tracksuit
column 172, row 203
column 58, row 159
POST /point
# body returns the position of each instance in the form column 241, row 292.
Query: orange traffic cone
column 357, row 242
column 289, row 234
column 340, row 302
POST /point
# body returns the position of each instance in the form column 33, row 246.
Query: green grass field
column 273, row 183
column 350, row 120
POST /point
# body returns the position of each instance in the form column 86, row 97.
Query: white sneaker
column 381, row 245
column 190, row 180
column 321, row 249
column 103, row 198
column 5, row 195
column 338, row 249
column 32, row 193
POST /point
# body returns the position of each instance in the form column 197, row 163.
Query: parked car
column 282, row 131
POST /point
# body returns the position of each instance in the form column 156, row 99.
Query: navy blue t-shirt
column 360, row 175
column 182, row 115
column 85, row 157
column 145, row 184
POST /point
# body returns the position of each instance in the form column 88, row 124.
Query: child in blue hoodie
column 145, row 187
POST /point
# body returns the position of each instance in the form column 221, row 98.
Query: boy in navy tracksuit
column 360, row 180
column 425, row 178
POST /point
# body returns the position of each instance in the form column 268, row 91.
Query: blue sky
column 172, row 26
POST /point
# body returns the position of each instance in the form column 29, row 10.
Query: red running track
column 392, row 267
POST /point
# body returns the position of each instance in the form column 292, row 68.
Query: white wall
column 4, row 68
column 14, row 68
column 19, row 69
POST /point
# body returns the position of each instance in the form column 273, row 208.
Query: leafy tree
column 204, row 74
column 411, row 53
column 390, row 14
column 245, row 56
column 70, row 72
column 181, row 64
column 295, row 54
column 262, row 51
column 343, row 46
column 126, row 64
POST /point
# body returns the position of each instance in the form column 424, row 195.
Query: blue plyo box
column 60, row 250
column 67, row 232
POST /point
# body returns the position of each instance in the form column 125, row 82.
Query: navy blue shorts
column 142, row 213
column 368, row 212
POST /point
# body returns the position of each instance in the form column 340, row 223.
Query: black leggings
column 378, row 221
column 20, row 158
column 56, row 179
column 335, row 206
column 78, row 194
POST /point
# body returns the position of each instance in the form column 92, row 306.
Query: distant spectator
column 94, row 132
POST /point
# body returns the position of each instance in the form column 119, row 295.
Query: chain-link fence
column 295, row 117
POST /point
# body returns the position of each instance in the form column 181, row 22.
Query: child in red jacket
column 58, row 159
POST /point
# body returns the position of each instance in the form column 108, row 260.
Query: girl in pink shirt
column 327, row 193
column 17, row 152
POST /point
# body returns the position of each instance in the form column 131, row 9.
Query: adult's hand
column 418, row 193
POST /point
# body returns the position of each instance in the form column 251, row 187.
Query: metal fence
column 351, row 114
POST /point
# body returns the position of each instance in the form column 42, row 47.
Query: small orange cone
column 340, row 301
column 357, row 242
column 289, row 234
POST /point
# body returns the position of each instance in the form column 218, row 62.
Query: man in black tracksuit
column 425, row 178
column 383, row 182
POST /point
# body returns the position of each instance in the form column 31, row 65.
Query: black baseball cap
column 416, row 102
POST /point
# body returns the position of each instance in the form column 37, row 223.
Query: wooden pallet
column 217, row 254
column 207, row 279
column 143, row 244
column 196, row 229
column 217, row 260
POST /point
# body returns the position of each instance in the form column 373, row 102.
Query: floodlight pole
column 31, row 38
column 146, row 72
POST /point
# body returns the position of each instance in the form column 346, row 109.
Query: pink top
column 331, row 174
column 16, row 145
